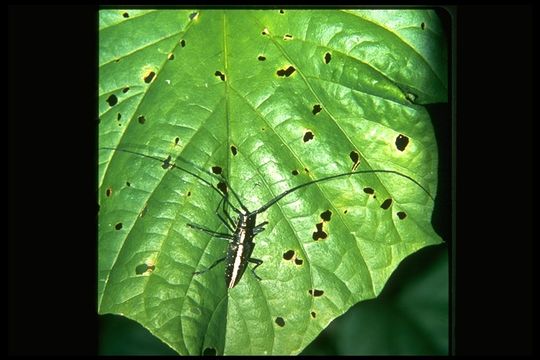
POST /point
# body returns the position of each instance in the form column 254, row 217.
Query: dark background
column 52, row 202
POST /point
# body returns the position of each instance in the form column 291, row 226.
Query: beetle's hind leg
column 211, row 232
column 209, row 268
column 257, row 262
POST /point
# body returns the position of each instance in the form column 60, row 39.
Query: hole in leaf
column 281, row 11
column 286, row 72
column 171, row 56
column 288, row 255
column 316, row 292
column 143, row 211
column 220, row 75
column 149, row 77
column 327, row 57
column 261, row 58
column 176, row 141
column 234, row 150
column 193, row 15
column 141, row 119
column 316, row 109
column 308, row 135
column 189, row 193
column 294, row 172
column 345, row 211
column 118, row 117
column 327, row 215
column 209, row 352
column 264, row 32
column 422, row 26
column 128, row 183
column 112, row 100
column 126, row 15
column 222, row 186
column 386, row 204
column 182, row 43
column 108, row 192
column 217, row 169
column 401, row 142
column 125, row 90
column 141, row 269
column 355, row 159
column 306, row 170
column 319, row 234
column 118, row 226
column 287, row 37
column 117, row 60
column 298, row 261
column 401, row 215
column 313, row 314
column 369, row 191
column 167, row 162
column 280, row 321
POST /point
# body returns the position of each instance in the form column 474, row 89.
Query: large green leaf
column 197, row 85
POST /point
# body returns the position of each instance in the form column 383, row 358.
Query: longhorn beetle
column 245, row 227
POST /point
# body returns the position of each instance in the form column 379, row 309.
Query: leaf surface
column 274, row 99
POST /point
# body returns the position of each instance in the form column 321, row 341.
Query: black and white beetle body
column 245, row 228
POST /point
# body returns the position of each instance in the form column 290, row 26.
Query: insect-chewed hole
column 345, row 211
column 223, row 187
column 108, row 192
column 126, row 15
column 355, row 159
column 327, row 57
column 217, row 169
column 141, row 119
column 188, row 193
column 401, row 215
column 294, row 172
column 298, row 261
column 422, row 26
column 125, row 90
column 118, row 226
column 316, row 109
column 369, row 190
column 220, row 75
column 118, row 117
column 170, row 56
column 128, row 184
column 306, row 170
column 313, row 314
column 327, row 215
column 209, row 352
column 183, row 43
column 265, row 31
column 144, row 210
column 234, row 150
column 167, row 162
column 141, row 269
column 281, row 11
column 149, row 77
column 280, row 321
column 261, row 58
column 401, row 142
column 112, row 100
column 286, row 72
column 176, row 140
column 288, row 255
column 193, row 15
column 315, row 292
column 319, row 234
column 386, row 204
column 308, row 135
column 287, row 37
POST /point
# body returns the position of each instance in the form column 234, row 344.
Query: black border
column 51, row 175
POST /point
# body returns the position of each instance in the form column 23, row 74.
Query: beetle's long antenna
column 167, row 164
column 287, row 192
